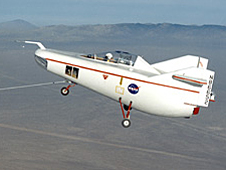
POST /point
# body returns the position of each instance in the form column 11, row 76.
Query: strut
column 126, row 117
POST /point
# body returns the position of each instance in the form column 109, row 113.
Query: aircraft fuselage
column 153, row 94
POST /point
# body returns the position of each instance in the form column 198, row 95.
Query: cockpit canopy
column 115, row 57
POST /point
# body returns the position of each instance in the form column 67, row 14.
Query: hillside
column 16, row 25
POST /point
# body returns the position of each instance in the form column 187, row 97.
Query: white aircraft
column 172, row 88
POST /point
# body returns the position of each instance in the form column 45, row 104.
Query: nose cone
column 41, row 61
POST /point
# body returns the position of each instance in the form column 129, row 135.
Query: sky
column 82, row 12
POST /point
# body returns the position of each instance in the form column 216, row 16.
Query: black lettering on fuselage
column 209, row 88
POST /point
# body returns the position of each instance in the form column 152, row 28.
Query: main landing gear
column 126, row 117
column 65, row 90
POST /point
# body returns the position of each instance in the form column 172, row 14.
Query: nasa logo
column 133, row 88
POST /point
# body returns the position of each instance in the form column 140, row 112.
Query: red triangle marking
column 105, row 76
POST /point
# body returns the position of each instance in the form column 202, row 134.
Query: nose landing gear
column 126, row 117
column 65, row 90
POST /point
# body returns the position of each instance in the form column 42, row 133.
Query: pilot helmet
column 109, row 56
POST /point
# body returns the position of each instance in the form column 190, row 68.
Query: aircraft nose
column 41, row 61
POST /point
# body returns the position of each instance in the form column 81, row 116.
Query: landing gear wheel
column 64, row 91
column 126, row 123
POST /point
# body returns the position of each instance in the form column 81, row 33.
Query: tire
column 64, row 91
column 126, row 123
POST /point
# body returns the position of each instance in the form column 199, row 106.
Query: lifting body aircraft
column 174, row 88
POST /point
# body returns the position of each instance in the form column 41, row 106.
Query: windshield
column 115, row 57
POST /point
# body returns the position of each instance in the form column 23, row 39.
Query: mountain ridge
column 122, row 35
column 17, row 24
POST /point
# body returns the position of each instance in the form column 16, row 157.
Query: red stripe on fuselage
column 117, row 75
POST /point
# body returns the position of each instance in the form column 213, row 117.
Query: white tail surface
column 181, row 63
